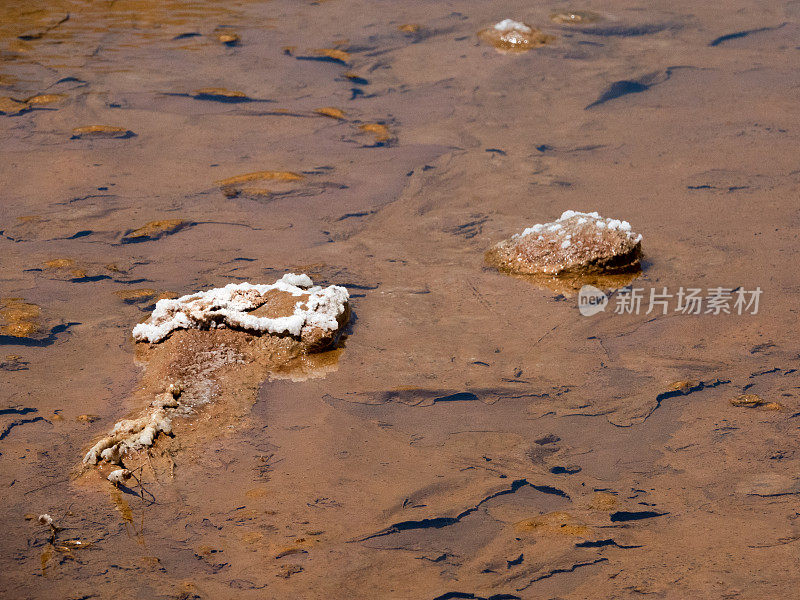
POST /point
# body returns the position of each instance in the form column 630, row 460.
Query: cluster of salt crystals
column 229, row 305
column 513, row 32
column 130, row 435
column 509, row 25
column 600, row 223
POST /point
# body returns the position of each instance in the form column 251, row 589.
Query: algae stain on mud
column 19, row 318
column 122, row 506
column 275, row 181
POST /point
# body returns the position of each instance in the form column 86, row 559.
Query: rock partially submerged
column 577, row 244
column 233, row 306
column 119, row 476
column 213, row 349
column 513, row 36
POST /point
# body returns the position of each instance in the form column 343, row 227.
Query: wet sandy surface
column 478, row 437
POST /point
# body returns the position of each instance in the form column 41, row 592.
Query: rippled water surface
column 474, row 436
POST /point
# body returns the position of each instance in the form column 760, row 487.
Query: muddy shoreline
column 475, row 436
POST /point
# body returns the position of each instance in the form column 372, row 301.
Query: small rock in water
column 68, row 269
column 87, row 418
column 554, row 523
column 684, row 386
column 747, row 400
column 135, row 296
column 229, row 38
column 334, row 54
column 100, row 132
column 512, row 36
column 575, row 244
column 288, row 570
column 119, row 476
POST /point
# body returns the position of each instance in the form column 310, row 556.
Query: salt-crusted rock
column 221, row 343
column 119, row 476
column 45, row 519
column 575, row 244
column 512, row 36
column 232, row 306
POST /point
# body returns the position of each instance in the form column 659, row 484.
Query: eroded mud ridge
column 212, row 344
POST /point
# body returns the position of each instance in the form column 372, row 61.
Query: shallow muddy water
column 474, row 436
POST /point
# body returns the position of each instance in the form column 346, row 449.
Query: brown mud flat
column 477, row 437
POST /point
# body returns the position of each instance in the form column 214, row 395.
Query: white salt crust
column 229, row 305
column 119, row 476
column 600, row 222
column 133, row 434
column 509, row 25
